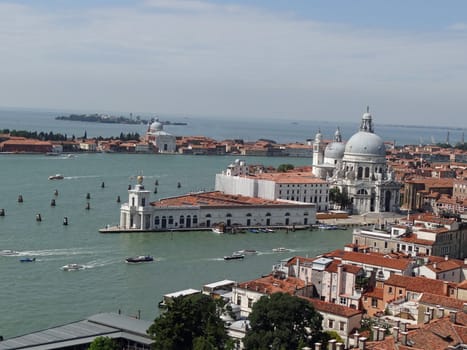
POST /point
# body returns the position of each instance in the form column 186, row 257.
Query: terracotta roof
column 444, row 301
column 375, row 293
column 438, row 334
column 332, row 267
column 418, row 284
column 445, row 265
column 371, row 259
column 331, row 308
column 413, row 238
column 269, row 285
column 293, row 261
column 219, row 199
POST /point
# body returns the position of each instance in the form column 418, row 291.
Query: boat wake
column 81, row 177
column 57, row 252
column 100, row 263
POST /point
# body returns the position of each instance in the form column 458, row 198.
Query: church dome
column 365, row 143
column 156, row 126
column 334, row 150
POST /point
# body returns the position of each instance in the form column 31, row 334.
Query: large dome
column 334, row 150
column 365, row 143
column 156, row 126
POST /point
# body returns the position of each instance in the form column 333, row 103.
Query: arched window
column 268, row 214
column 287, row 214
column 359, row 172
column 171, row 220
column 157, row 220
column 248, row 214
column 229, row 215
column 208, row 215
column 181, row 220
column 195, row 219
column 367, row 172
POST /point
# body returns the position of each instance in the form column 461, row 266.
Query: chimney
column 404, row 338
column 432, row 312
column 465, row 261
column 440, row 312
column 453, row 316
column 395, row 333
column 375, row 333
column 332, row 344
column 403, row 327
column 446, row 257
column 362, row 343
column 317, row 346
column 445, row 288
column 426, row 318
column 355, row 339
column 434, row 265
column 381, row 332
column 340, row 346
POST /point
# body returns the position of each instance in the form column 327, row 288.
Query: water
column 38, row 295
column 280, row 130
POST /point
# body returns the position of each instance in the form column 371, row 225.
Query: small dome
column 334, row 150
column 156, row 126
column 365, row 143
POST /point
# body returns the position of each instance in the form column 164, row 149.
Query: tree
column 339, row 198
column 190, row 322
column 281, row 321
column 103, row 343
column 284, row 168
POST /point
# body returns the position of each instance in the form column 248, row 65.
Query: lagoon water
column 39, row 295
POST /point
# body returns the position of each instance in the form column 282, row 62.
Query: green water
column 39, row 295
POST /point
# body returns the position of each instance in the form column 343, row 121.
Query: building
column 162, row 141
column 359, row 169
column 208, row 209
column 299, row 186
column 128, row 332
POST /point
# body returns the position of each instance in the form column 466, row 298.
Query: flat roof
column 82, row 332
column 219, row 284
column 182, row 293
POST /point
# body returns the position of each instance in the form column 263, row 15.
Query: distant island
column 104, row 118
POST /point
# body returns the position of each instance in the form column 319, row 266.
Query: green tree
column 284, row 168
column 103, row 343
column 190, row 322
column 282, row 322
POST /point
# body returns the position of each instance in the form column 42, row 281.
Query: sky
column 260, row 59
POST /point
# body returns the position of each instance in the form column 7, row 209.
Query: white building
column 299, row 186
column 162, row 141
column 359, row 169
column 207, row 209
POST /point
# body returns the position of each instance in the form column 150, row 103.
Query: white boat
column 280, row 250
column 56, row 177
column 219, row 228
column 8, row 252
column 247, row 251
column 72, row 267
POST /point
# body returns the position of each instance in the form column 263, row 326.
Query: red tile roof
column 218, row 199
column 444, row 301
column 419, row 284
column 331, row 308
column 373, row 259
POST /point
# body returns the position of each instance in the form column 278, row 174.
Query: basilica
column 358, row 168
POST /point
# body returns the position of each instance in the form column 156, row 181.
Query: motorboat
column 26, row 259
column 247, row 251
column 72, row 267
column 218, row 228
column 56, row 177
column 234, row 256
column 139, row 259
column 8, row 252
column 280, row 250
column 327, row 227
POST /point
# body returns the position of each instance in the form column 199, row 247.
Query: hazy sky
column 295, row 59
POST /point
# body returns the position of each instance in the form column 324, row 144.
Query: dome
column 366, row 143
column 334, row 150
column 156, row 126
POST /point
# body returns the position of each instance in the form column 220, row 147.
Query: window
column 250, row 302
column 239, row 300
column 342, row 326
column 181, row 220
column 389, row 289
column 195, row 219
column 343, row 301
column 156, row 220
column 385, row 244
column 330, row 323
column 171, row 220
column 374, row 302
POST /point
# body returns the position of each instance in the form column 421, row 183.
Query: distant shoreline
column 106, row 119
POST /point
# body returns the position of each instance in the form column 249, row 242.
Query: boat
column 280, row 250
column 327, row 227
column 247, row 251
column 218, row 228
column 8, row 252
column 234, row 256
column 26, row 259
column 139, row 259
column 56, row 177
column 72, row 267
